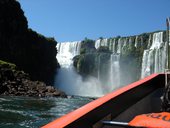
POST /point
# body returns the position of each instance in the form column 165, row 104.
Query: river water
column 26, row 112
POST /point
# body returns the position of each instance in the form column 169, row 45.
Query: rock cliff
column 14, row 82
column 30, row 51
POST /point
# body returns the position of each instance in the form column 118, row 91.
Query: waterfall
column 113, row 46
column 136, row 42
column 118, row 66
column 66, row 52
column 108, row 72
column 97, row 44
column 120, row 45
column 67, row 79
column 149, row 41
column 111, row 78
column 101, row 42
column 154, row 58
column 114, row 71
column 98, row 68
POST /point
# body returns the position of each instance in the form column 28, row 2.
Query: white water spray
column 114, row 71
column 154, row 58
column 68, row 79
column 108, row 73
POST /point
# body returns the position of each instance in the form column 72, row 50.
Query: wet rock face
column 17, row 83
column 30, row 88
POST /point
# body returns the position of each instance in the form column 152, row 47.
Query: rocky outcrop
column 91, row 60
column 17, row 83
column 30, row 51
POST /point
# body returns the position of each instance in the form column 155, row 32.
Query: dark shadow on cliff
column 30, row 51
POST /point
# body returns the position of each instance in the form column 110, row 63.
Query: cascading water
column 67, row 78
column 114, row 71
column 112, row 65
column 101, row 42
column 66, row 52
column 136, row 42
column 154, row 58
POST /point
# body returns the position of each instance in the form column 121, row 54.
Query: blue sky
column 73, row 20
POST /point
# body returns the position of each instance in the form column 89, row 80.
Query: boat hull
column 118, row 105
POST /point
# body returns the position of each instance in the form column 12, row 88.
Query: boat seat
column 149, row 104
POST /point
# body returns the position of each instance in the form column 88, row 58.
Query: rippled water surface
column 25, row 112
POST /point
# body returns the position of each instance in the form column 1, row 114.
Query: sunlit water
column 25, row 112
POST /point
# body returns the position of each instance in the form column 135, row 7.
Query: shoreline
column 14, row 82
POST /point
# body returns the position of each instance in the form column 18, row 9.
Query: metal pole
column 168, row 23
column 167, row 41
column 114, row 123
